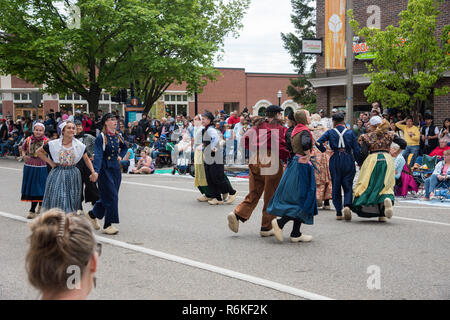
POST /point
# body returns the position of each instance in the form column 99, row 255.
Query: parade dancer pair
column 109, row 148
column 217, row 182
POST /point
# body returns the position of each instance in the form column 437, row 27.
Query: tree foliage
column 153, row 42
column 409, row 60
column 304, row 22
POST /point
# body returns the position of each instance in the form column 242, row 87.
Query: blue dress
column 295, row 196
column 107, row 165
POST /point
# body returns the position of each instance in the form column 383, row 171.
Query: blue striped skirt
column 63, row 189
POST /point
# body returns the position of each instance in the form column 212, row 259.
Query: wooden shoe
column 269, row 233
column 233, row 222
column 94, row 222
column 38, row 209
column 225, row 196
column 204, row 198
column 347, row 214
column 302, row 238
column 326, row 208
column 31, row 215
column 231, row 199
column 214, row 202
column 339, row 218
column 110, row 230
column 277, row 230
column 382, row 219
column 388, row 209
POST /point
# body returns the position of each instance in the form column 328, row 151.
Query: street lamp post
column 280, row 94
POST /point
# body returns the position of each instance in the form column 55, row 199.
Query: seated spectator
column 145, row 164
column 441, row 174
column 128, row 162
column 404, row 180
column 61, row 246
column 8, row 145
column 182, row 153
column 159, row 146
column 439, row 150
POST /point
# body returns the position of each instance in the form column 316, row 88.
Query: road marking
column 200, row 265
column 423, row 221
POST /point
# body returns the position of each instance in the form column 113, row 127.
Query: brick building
column 235, row 89
column 331, row 84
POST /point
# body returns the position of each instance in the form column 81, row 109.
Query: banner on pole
column 335, row 34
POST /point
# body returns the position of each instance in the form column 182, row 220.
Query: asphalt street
column 170, row 246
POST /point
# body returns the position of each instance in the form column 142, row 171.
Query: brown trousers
column 259, row 184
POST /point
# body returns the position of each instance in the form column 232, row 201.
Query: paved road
column 170, row 246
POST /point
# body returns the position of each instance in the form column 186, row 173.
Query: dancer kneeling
column 295, row 197
column 374, row 191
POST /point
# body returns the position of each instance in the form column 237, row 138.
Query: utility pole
column 349, row 65
column 196, row 103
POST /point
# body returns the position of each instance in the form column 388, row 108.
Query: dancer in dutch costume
column 346, row 149
column 322, row 162
column 89, row 189
column 34, row 171
column 218, row 184
column 295, row 197
column 374, row 191
column 109, row 149
column 64, row 184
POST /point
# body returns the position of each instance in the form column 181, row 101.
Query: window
column 173, row 97
column 262, row 112
column 25, row 96
column 76, row 97
column 1, row 96
column 185, row 98
column 166, row 97
column 106, row 97
column 179, row 98
column 229, row 107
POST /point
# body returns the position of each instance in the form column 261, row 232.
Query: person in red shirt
column 234, row 118
column 439, row 150
column 268, row 153
column 87, row 123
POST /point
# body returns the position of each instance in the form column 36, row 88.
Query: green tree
column 184, row 43
column 115, row 42
column 409, row 60
column 303, row 19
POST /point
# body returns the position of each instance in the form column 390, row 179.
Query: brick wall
column 442, row 104
column 50, row 104
column 19, row 83
column 266, row 87
column 7, row 108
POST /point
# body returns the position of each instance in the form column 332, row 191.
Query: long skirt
column 33, row 183
column 376, row 183
column 90, row 188
column 200, row 175
column 63, row 189
column 323, row 176
column 295, row 196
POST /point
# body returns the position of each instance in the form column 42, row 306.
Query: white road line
column 423, row 221
column 200, row 265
